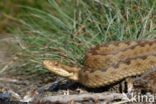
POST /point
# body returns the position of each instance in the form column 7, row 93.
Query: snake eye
column 56, row 63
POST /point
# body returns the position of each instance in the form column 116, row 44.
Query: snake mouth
column 56, row 68
column 61, row 70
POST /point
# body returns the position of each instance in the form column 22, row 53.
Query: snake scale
column 109, row 63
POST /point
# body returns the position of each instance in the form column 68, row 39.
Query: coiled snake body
column 108, row 63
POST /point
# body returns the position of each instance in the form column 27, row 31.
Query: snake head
column 62, row 70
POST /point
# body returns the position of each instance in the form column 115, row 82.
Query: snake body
column 108, row 63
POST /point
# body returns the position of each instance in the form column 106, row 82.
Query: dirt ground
column 23, row 87
column 20, row 84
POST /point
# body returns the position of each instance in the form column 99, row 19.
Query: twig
column 95, row 97
column 11, row 80
column 6, row 67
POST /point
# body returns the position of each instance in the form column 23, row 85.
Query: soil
column 24, row 86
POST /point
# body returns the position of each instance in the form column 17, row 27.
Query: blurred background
column 63, row 30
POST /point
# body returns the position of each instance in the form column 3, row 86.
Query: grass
column 65, row 30
column 10, row 9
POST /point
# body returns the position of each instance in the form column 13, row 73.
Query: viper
column 109, row 63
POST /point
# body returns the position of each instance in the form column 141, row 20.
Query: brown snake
column 108, row 63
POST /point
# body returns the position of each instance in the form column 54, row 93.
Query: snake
column 109, row 63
